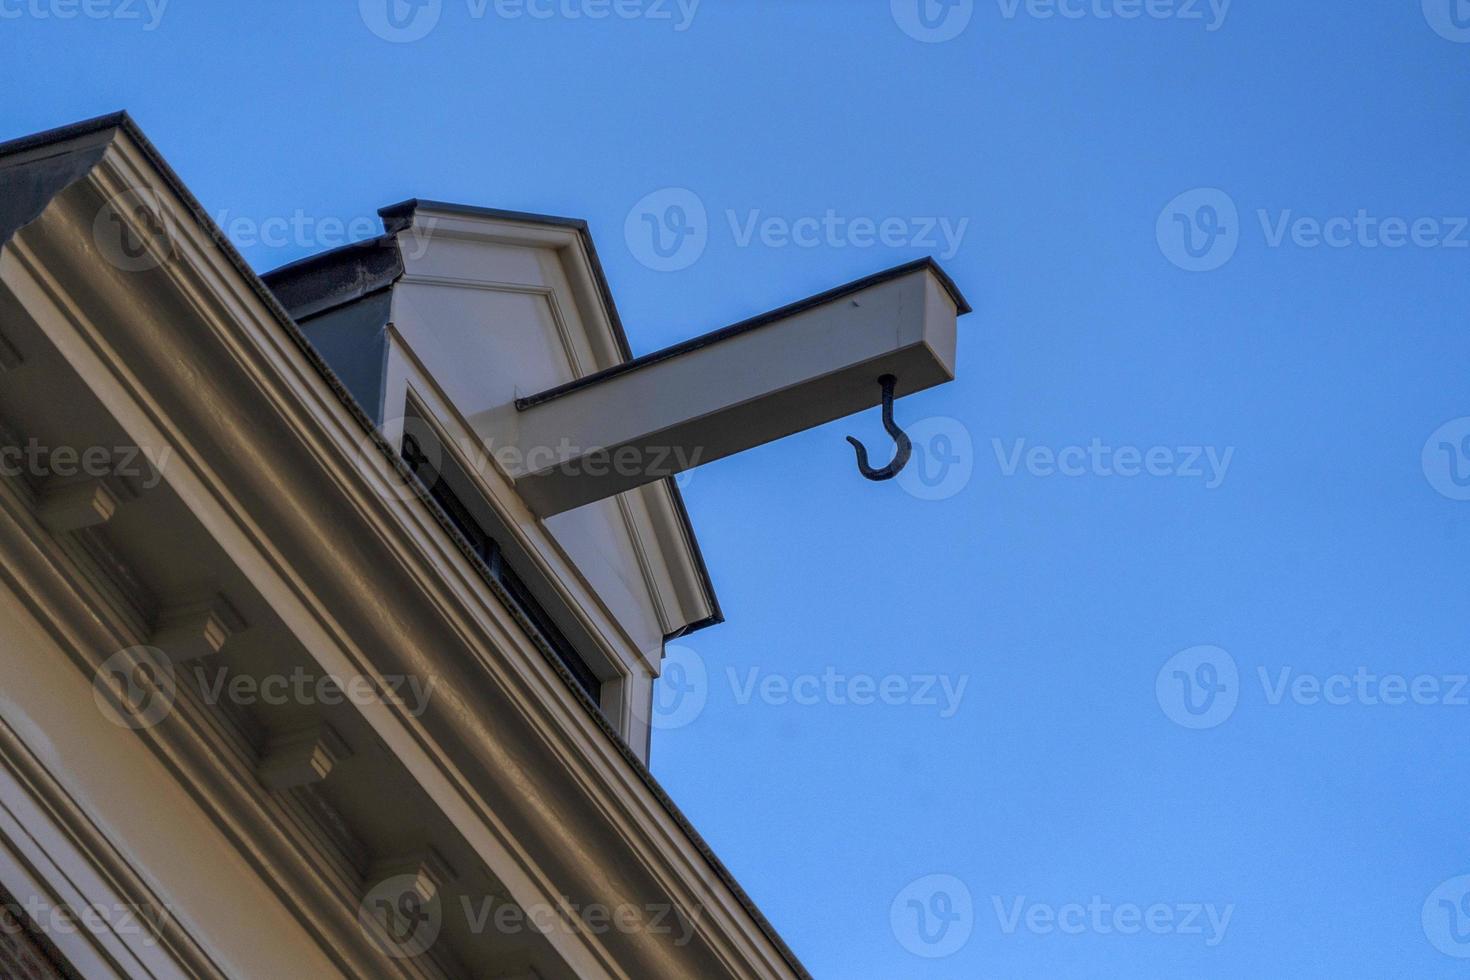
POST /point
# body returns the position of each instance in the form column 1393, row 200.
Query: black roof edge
column 125, row 122
column 60, row 134
column 962, row 306
column 323, row 282
column 297, row 266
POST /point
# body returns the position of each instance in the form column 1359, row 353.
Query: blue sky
column 1154, row 668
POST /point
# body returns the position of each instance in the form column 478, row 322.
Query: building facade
column 333, row 600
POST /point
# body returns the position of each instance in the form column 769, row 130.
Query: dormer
column 437, row 328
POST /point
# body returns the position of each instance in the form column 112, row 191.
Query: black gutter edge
column 125, row 122
column 717, row 614
column 60, row 134
column 962, row 307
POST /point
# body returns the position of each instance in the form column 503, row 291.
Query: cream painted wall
column 198, row 876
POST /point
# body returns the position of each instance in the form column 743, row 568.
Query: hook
column 901, row 456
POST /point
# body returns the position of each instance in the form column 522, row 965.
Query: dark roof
column 321, row 282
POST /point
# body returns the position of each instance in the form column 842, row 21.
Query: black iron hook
column 905, row 447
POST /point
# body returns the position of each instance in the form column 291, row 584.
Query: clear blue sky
column 1317, row 361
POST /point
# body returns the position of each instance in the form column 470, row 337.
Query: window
column 441, row 481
